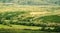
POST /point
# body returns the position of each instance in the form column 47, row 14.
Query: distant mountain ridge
column 32, row 2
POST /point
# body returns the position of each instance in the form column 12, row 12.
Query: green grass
column 24, row 31
column 19, row 26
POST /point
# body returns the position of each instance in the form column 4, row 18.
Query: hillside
column 51, row 18
column 23, row 19
column 30, row 16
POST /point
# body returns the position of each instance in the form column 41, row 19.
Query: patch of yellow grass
column 27, row 8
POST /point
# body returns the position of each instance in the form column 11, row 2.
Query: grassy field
column 29, row 19
column 19, row 27
column 24, row 31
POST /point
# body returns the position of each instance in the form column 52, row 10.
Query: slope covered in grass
column 51, row 18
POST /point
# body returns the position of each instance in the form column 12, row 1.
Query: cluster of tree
column 7, row 17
